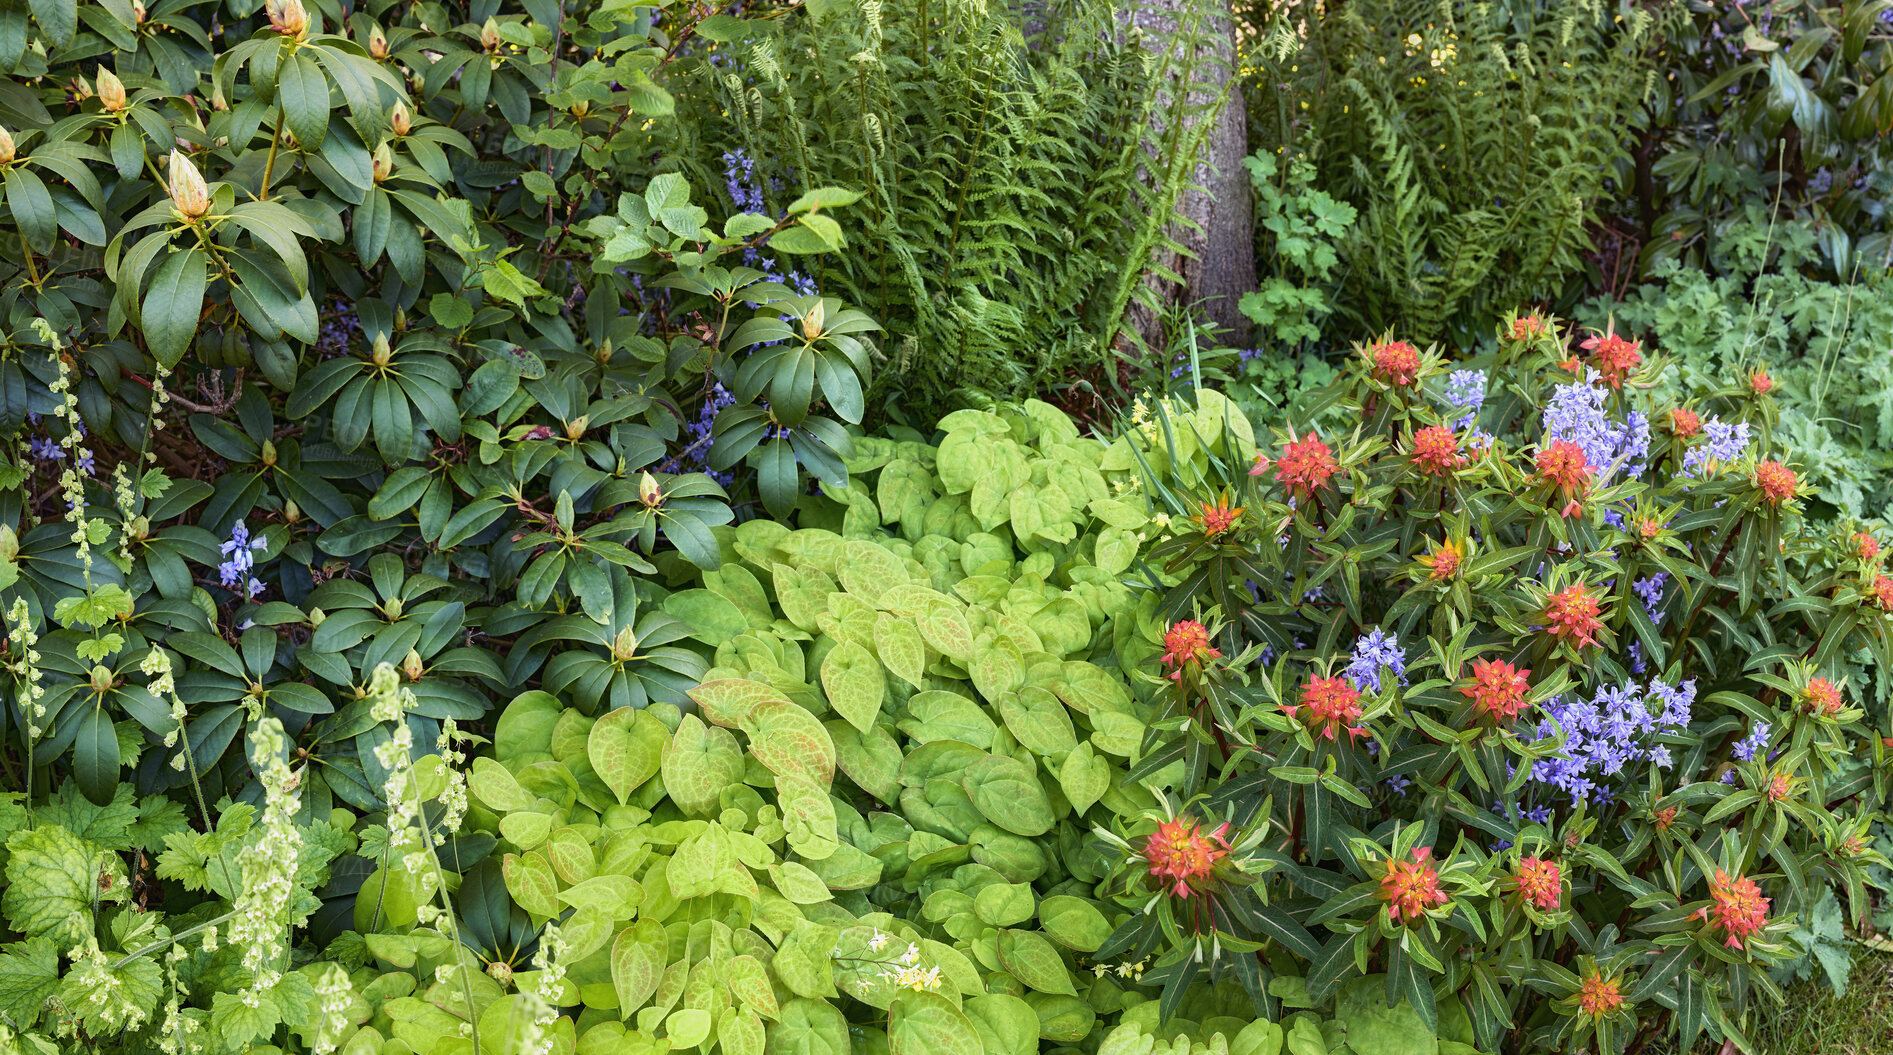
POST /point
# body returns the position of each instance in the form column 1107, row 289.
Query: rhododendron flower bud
column 648, row 491
column 111, row 91
column 812, row 322
column 189, row 195
column 399, row 119
column 289, row 17
column 137, row 13
column 490, row 35
column 377, row 43
column 6, row 145
column 384, row 162
column 411, row 666
column 624, row 647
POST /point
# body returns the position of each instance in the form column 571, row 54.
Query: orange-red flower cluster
column 1443, row 563
column 1598, row 996
column 1539, row 882
column 1777, row 482
column 1821, row 697
column 1780, row 786
column 1685, row 422
column 1737, row 907
column 1526, row 327
column 1866, row 546
column 1396, row 362
column 1182, row 856
column 1498, row 689
column 1187, row 643
column 1563, row 465
column 1665, row 817
column 1883, row 592
column 1760, row 383
column 1572, row 615
column 1305, row 467
column 1218, row 517
column 1328, row 704
column 1410, row 887
column 1614, row 357
column 1436, row 451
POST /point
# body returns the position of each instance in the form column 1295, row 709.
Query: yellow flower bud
column 189, row 195
column 490, row 35
column 412, row 666
column 812, row 322
column 384, row 162
column 382, row 353
column 575, row 429
column 648, row 491
column 625, row 646
column 399, row 118
column 6, row 145
column 377, row 42
column 111, row 91
column 137, row 12
column 289, row 17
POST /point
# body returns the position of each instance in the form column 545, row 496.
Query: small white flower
column 875, row 943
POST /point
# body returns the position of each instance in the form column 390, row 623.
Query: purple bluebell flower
column 1465, row 389
column 1608, row 734
column 1723, row 442
column 1576, row 415
column 1399, row 784
column 1635, row 651
column 1539, row 815
column 240, row 558
column 46, row 450
column 1651, row 589
column 1728, row 777
column 1757, row 739
column 739, row 170
column 1374, row 650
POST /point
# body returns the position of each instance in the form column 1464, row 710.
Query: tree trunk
column 1219, row 235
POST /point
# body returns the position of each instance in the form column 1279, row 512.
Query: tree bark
column 1219, row 266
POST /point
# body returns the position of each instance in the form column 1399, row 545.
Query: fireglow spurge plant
column 1527, row 696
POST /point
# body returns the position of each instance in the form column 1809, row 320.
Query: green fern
column 1014, row 192
column 1476, row 140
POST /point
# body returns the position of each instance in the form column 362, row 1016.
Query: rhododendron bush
column 1526, row 696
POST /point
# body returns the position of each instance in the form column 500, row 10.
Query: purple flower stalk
column 1755, row 741
column 1576, row 415
column 1723, row 442
column 1374, row 650
column 240, row 558
column 1465, row 389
